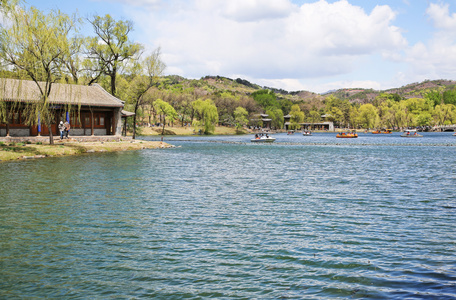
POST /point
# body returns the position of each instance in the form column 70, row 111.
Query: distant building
column 90, row 110
column 329, row 126
column 261, row 120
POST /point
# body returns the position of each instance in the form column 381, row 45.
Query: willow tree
column 110, row 50
column 296, row 116
column 240, row 118
column 165, row 110
column 206, row 115
column 35, row 43
column 368, row 115
column 7, row 5
column 145, row 75
column 276, row 116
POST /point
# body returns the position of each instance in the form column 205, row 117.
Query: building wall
column 15, row 131
column 80, row 131
column 118, row 120
column 113, row 126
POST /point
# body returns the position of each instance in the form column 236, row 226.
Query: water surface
column 218, row 217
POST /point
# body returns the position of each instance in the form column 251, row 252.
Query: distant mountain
column 214, row 84
column 412, row 90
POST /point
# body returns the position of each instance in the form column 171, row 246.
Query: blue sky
column 292, row 44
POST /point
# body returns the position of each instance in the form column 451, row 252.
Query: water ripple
column 232, row 220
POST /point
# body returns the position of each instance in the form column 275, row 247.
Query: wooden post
column 114, row 123
column 92, row 123
column 7, row 121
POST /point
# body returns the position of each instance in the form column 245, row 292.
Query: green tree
column 368, row 115
column 206, row 115
column 435, row 97
column 276, row 116
column 424, row 119
column 444, row 114
column 296, row 117
column 166, row 111
column 285, row 106
column 354, row 117
column 314, row 116
column 8, row 5
column 145, row 75
column 110, row 50
column 240, row 117
column 335, row 115
column 387, row 114
column 265, row 98
column 35, row 44
column 449, row 97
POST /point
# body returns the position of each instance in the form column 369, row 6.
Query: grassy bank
column 178, row 130
column 14, row 151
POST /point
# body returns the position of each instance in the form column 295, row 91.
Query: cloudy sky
column 292, row 44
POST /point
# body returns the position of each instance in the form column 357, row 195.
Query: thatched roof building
column 91, row 110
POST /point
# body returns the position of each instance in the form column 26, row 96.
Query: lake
column 219, row 217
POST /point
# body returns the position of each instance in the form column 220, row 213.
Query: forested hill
column 355, row 95
column 218, row 84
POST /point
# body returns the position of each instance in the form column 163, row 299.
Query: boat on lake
column 411, row 133
column 347, row 135
column 307, row 133
column 262, row 138
column 382, row 131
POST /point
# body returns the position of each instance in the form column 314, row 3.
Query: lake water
column 220, row 217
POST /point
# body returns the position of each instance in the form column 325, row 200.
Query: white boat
column 262, row 138
column 411, row 133
column 306, row 133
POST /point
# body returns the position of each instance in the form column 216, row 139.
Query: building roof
column 125, row 113
column 15, row 90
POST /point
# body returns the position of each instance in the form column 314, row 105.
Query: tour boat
column 383, row 131
column 347, row 135
column 290, row 132
column 307, row 133
column 410, row 133
column 262, row 138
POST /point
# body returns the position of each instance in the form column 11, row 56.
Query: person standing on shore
column 61, row 129
column 67, row 128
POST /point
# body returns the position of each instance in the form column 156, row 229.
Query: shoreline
column 12, row 151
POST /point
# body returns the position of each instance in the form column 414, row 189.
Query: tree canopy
column 35, row 44
column 111, row 48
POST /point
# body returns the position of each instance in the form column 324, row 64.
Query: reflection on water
column 213, row 219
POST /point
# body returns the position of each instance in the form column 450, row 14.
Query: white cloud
column 440, row 15
column 148, row 4
column 436, row 57
column 248, row 10
column 269, row 39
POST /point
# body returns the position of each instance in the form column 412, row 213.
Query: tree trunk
column 163, row 130
column 134, row 126
column 113, row 83
column 51, row 136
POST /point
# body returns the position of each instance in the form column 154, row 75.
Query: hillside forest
column 49, row 47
